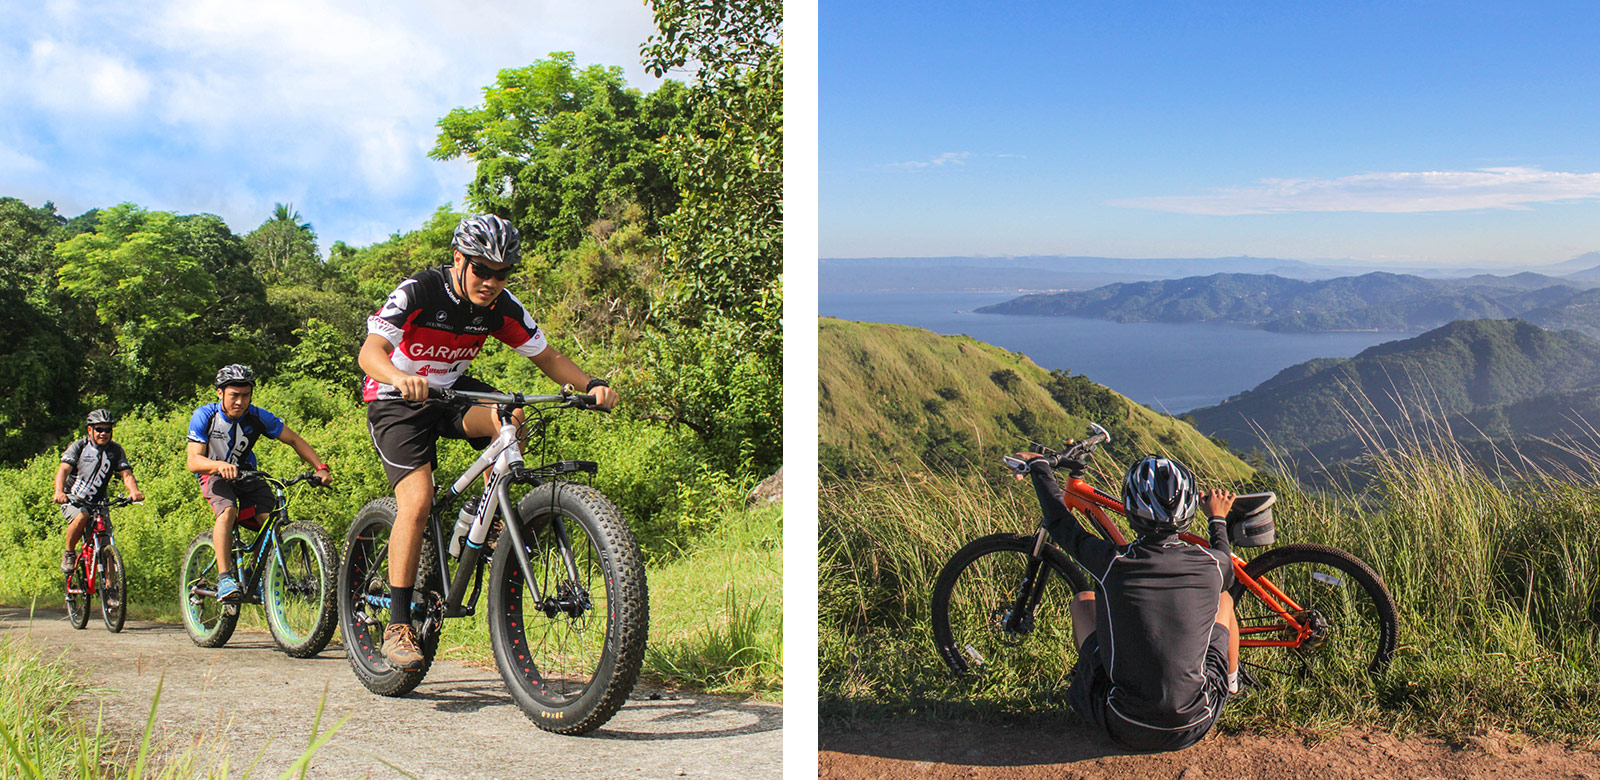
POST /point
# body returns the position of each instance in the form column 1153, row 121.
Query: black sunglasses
column 100, row 428
column 485, row 272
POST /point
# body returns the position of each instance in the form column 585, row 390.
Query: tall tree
column 556, row 145
column 41, row 352
column 716, row 366
column 726, row 240
column 139, row 271
column 285, row 248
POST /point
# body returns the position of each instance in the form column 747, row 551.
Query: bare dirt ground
column 459, row 723
column 971, row 751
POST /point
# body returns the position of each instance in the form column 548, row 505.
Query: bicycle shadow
column 649, row 714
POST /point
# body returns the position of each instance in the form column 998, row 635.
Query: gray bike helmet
column 236, row 374
column 489, row 237
column 101, row 417
column 1159, row 496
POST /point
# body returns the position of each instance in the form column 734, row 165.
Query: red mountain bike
column 1000, row 605
column 98, row 570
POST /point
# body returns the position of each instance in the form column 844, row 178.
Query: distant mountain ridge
column 1059, row 272
column 1507, row 379
column 1374, row 301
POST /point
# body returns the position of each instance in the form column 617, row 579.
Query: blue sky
column 223, row 107
column 1406, row 132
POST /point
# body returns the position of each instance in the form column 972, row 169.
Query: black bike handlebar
column 566, row 398
column 1075, row 456
column 304, row 476
column 110, row 503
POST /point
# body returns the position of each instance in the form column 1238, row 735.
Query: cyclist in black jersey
column 85, row 472
column 426, row 334
column 1158, row 650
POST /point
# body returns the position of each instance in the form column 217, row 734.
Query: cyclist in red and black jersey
column 426, row 334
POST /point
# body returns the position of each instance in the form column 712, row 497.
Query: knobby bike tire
column 113, row 588
column 975, row 594
column 364, row 571
column 301, row 589
column 210, row 623
column 1338, row 592
column 571, row 667
column 77, row 603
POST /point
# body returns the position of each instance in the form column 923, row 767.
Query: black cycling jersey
column 92, row 468
column 1157, row 605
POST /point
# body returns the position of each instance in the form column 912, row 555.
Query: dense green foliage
column 1495, row 378
column 1374, row 301
column 556, row 146
column 892, row 395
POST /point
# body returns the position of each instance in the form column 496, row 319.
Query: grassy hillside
column 891, row 397
column 1486, row 374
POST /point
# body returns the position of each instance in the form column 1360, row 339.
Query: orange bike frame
column 1085, row 498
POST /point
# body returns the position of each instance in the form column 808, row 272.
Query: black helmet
column 489, row 237
column 236, row 374
column 1159, row 495
column 101, row 417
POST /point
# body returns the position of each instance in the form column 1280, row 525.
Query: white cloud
column 225, row 107
column 1389, row 193
column 77, row 80
column 947, row 158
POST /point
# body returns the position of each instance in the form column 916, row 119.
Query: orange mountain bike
column 1000, row 605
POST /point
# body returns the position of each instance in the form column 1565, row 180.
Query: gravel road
column 459, row 723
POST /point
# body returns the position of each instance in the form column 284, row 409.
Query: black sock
column 399, row 605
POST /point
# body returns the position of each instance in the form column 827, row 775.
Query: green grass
column 715, row 612
column 1495, row 570
column 45, row 729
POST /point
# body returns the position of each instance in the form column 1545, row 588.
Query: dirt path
column 460, row 723
column 972, row 752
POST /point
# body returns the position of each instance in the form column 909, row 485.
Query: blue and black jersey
column 230, row 440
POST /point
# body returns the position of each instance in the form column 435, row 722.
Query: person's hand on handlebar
column 225, row 470
column 604, row 397
column 323, row 476
column 412, row 388
column 60, row 497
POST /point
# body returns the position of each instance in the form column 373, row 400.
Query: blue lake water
column 1173, row 367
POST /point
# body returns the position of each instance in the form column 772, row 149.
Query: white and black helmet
column 236, row 374
column 489, row 237
column 101, row 417
column 1159, row 495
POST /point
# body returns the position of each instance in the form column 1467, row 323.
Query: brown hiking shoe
column 400, row 647
column 69, row 559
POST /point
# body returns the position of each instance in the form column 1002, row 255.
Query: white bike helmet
column 489, row 237
column 1159, row 496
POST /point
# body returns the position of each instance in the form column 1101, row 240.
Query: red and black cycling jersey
column 436, row 333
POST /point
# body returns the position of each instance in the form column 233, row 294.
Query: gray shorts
column 253, row 497
column 70, row 510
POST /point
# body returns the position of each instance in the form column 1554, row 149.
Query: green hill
column 893, row 395
column 1491, row 380
column 1373, row 301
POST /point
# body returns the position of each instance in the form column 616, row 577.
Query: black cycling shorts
column 406, row 433
column 1091, row 691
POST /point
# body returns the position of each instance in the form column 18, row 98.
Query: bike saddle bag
column 1250, row 521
